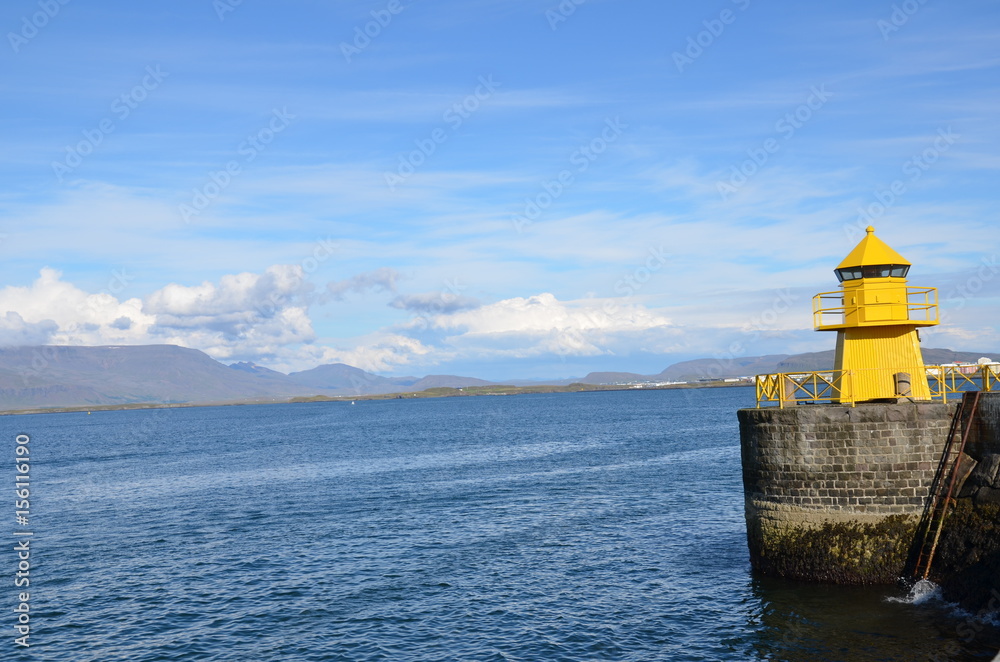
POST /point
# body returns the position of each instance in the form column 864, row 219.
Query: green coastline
column 439, row 392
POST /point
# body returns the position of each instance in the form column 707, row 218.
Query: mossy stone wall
column 967, row 564
column 834, row 493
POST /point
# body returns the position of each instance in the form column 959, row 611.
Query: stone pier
column 834, row 493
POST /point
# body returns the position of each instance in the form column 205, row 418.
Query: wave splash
column 922, row 592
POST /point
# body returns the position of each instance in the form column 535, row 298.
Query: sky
column 498, row 189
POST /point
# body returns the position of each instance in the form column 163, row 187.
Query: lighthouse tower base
column 834, row 493
column 876, row 354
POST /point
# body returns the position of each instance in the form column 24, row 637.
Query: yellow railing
column 991, row 377
column 926, row 303
column 921, row 307
column 792, row 388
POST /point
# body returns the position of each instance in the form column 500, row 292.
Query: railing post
column 846, row 390
column 787, row 390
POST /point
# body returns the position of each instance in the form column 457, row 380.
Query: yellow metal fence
column 791, row 388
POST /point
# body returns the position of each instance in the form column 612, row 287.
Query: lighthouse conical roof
column 872, row 251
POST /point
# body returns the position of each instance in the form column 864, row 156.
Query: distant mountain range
column 62, row 376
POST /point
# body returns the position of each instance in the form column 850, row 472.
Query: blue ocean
column 588, row 526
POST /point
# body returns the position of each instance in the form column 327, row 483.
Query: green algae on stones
column 838, row 552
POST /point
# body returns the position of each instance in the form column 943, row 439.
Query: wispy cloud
column 380, row 280
column 434, row 303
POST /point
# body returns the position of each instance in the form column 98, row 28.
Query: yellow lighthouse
column 876, row 320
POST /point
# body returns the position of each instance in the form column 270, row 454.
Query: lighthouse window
column 876, row 271
column 873, row 271
column 849, row 274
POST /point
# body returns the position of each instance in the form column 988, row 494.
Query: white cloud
column 234, row 293
column 541, row 324
column 241, row 314
column 271, row 304
column 15, row 331
column 53, row 311
column 261, row 317
column 543, row 312
column 378, row 352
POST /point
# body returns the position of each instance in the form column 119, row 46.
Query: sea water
column 589, row 526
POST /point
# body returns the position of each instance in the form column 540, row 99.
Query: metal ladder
column 943, row 486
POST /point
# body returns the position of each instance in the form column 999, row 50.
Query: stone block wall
column 833, row 492
column 872, row 458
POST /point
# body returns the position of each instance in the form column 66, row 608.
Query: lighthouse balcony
column 912, row 306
